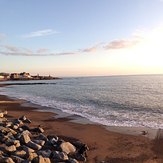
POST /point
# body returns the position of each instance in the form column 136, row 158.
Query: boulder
column 80, row 157
column 25, row 127
column 32, row 155
column 13, row 142
column 22, row 118
column 1, row 115
column 40, row 142
column 33, row 145
column 17, row 159
column 8, row 124
column 11, row 148
column 67, row 147
column 19, row 122
column 2, row 120
column 72, row 160
column 15, row 127
column 27, row 149
column 16, row 143
column 41, row 159
column 53, row 139
column 44, row 153
column 38, row 129
column 20, row 153
column 6, row 160
column 27, row 121
column 24, row 137
column 41, row 137
column 59, row 156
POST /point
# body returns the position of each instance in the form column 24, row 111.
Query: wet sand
column 111, row 146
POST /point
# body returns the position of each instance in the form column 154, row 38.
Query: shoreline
column 111, row 144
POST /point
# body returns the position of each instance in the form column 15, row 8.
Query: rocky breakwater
column 20, row 143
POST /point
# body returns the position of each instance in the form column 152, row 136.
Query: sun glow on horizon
column 144, row 57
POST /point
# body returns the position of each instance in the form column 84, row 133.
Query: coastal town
column 24, row 76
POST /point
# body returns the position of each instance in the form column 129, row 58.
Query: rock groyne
column 20, row 143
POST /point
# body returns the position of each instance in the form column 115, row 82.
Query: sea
column 130, row 101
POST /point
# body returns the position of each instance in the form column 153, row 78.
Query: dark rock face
column 21, row 144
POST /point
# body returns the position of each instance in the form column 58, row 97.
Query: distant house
column 1, row 77
column 24, row 75
column 4, row 76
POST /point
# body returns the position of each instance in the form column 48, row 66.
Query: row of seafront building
column 24, row 76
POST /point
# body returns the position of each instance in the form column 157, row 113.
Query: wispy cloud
column 91, row 49
column 17, row 51
column 123, row 43
column 40, row 33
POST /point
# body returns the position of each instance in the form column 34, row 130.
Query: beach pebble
column 67, row 147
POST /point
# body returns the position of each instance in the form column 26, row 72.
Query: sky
column 81, row 37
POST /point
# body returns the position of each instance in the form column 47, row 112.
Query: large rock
column 41, row 137
column 33, row 145
column 20, row 153
column 38, row 129
column 25, row 127
column 11, row 148
column 22, row 118
column 6, row 130
column 13, row 142
column 40, row 142
column 44, row 153
column 24, row 137
column 32, row 155
column 1, row 115
column 27, row 149
column 19, row 122
column 6, row 160
column 41, row 159
column 53, row 139
column 59, row 156
column 72, row 160
column 17, row 159
column 67, row 147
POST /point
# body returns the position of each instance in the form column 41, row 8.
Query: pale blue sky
column 81, row 37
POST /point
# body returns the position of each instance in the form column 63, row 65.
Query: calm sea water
column 112, row 101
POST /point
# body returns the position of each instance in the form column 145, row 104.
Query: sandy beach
column 105, row 145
